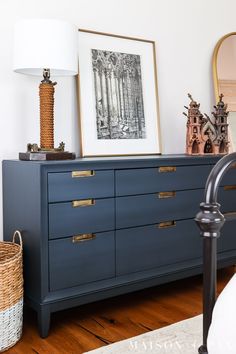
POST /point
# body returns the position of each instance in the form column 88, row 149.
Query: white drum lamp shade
column 45, row 44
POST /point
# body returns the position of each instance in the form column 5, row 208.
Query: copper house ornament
column 203, row 135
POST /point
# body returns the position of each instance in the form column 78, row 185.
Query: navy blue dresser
column 97, row 228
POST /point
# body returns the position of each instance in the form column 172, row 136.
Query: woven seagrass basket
column 11, row 292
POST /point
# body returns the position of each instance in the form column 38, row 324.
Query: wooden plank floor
column 91, row 326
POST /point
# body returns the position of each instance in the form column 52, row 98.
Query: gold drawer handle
column 83, row 203
column 76, row 174
column 167, row 169
column 229, row 214
column 166, row 224
column 229, row 188
column 164, row 195
column 83, row 237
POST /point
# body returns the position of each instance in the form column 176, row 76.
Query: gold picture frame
column 117, row 95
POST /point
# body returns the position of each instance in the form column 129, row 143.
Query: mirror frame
column 214, row 64
column 215, row 80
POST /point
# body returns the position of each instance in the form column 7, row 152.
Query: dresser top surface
column 139, row 158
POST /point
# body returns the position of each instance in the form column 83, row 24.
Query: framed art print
column 118, row 101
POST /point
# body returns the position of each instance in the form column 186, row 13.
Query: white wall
column 185, row 31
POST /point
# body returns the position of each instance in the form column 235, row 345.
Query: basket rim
column 10, row 243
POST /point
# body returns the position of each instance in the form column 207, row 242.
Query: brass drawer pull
column 167, row 169
column 164, row 195
column 229, row 188
column 230, row 214
column 76, row 174
column 83, row 237
column 83, row 203
column 166, row 224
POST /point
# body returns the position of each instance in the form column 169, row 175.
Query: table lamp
column 46, row 47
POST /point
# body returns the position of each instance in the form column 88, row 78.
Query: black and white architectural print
column 118, row 95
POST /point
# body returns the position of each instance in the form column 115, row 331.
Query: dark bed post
column 210, row 221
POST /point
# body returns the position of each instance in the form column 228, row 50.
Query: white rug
column 183, row 337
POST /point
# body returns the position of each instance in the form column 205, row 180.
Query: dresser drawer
column 150, row 209
column 151, row 180
column 74, row 263
column 143, row 248
column 68, row 220
column 229, row 177
column 65, row 186
column 227, row 239
column 227, row 198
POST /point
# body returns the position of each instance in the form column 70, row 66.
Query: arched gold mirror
column 224, row 75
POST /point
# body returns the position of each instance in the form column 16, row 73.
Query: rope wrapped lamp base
column 46, row 150
column 46, row 94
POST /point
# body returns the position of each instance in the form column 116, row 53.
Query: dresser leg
column 44, row 317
